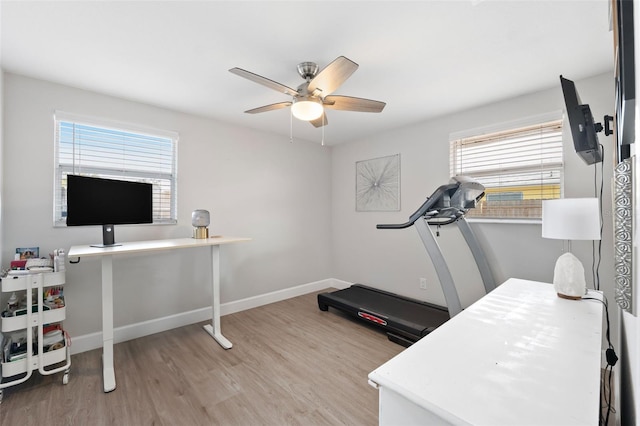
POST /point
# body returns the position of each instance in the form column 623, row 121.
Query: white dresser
column 518, row 356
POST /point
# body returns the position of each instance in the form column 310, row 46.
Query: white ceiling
column 423, row 58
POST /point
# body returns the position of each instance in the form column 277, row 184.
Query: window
column 519, row 168
column 91, row 148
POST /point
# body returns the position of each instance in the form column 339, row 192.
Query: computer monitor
column 107, row 202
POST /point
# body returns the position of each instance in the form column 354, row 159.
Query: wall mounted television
column 583, row 129
column 107, row 202
column 624, row 77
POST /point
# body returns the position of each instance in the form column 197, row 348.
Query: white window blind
column 519, row 168
column 94, row 149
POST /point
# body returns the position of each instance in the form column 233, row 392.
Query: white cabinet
column 519, row 356
column 32, row 323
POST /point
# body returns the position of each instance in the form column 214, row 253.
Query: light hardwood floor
column 291, row 364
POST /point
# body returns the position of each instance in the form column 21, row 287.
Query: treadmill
column 407, row 320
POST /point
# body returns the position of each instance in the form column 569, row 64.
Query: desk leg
column 108, row 372
column 214, row 328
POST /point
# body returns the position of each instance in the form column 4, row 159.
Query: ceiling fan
column 314, row 95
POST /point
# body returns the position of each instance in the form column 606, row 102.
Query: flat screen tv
column 625, row 78
column 107, row 202
column 583, row 128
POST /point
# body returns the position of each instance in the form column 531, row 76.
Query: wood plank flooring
column 291, row 364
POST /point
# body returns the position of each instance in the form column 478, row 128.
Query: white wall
column 254, row 184
column 395, row 259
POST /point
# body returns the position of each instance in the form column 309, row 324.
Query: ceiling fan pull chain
column 322, row 143
column 290, row 126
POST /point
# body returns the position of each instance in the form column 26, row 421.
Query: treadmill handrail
column 424, row 208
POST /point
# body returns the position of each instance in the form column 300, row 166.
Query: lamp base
column 201, row 232
column 566, row 296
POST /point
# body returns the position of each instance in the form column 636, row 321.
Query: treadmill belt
column 409, row 318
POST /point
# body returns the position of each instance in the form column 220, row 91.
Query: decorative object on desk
column 200, row 219
column 570, row 219
column 623, row 234
column 378, row 184
column 28, row 252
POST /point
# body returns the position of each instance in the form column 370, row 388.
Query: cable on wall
column 596, row 246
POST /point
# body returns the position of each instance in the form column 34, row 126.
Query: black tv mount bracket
column 608, row 119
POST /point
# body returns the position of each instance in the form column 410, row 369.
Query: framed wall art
column 378, row 184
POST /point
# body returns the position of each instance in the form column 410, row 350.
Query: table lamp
column 200, row 219
column 570, row 219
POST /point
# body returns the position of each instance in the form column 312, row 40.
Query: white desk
column 107, row 254
column 519, row 356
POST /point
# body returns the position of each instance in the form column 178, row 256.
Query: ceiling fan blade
column 320, row 121
column 348, row 103
column 270, row 107
column 332, row 76
column 264, row 81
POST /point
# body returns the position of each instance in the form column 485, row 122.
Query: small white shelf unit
column 33, row 322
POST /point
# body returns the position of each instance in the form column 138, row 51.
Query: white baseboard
column 92, row 341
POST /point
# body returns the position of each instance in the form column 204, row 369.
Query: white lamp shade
column 307, row 109
column 571, row 219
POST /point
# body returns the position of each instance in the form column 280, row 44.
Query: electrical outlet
column 423, row 283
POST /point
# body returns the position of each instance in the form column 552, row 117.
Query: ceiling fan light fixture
column 306, row 108
column 310, row 98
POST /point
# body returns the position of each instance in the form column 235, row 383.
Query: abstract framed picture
column 378, row 184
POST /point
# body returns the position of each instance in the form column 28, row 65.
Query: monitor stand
column 108, row 237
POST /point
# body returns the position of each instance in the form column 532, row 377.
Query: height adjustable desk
column 107, row 253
